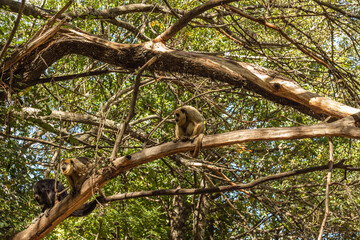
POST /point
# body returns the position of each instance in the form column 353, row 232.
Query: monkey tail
column 87, row 208
column 198, row 145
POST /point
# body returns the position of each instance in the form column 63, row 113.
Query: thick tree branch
column 265, row 82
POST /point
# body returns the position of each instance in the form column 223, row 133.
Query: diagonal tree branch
column 184, row 20
column 131, row 113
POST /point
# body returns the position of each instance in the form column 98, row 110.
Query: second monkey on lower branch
column 189, row 125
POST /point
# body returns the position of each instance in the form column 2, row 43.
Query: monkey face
column 38, row 199
column 67, row 166
column 180, row 117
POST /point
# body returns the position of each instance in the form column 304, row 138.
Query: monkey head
column 67, row 167
column 180, row 116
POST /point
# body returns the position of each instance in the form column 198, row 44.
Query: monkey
column 76, row 171
column 46, row 194
column 189, row 125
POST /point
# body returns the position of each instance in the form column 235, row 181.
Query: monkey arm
column 179, row 132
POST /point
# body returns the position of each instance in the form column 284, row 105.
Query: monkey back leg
column 198, row 129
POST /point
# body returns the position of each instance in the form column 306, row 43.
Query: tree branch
column 265, row 82
column 59, row 212
column 131, row 108
column 17, row 21
column 186, row 18
column 327, row 191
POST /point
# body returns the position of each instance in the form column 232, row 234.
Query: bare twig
column 17, row 21
column 184, row 20
column 328, row 183
column 132, row 107
column 282, row 32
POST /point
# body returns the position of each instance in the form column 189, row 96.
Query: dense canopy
column 277, row 83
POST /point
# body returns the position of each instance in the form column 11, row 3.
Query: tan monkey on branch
column 189, row 125
column 76, row 170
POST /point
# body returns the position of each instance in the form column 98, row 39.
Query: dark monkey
column 48, row 191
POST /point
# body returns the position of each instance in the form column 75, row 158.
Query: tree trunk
column 200, row 212
column 179, row 216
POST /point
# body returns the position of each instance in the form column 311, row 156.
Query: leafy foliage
column 288, row 208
